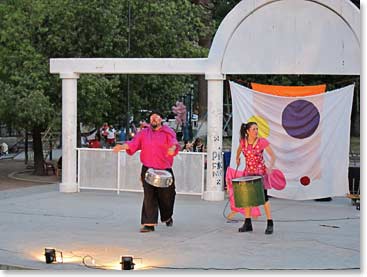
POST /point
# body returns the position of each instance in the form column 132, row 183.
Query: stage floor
column 308, row 235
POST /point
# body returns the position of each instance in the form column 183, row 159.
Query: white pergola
column 256, row 37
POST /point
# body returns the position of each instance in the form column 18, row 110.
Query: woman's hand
column 238, row 161
column 269, row 168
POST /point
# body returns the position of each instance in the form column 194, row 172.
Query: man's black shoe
column 169, row 222
column 146, row 229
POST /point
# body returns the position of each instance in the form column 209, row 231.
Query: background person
column 198, row 145
column 187, row 147
column 96, row 142
column 111, row 137
column 4, row 149
column 104, row 132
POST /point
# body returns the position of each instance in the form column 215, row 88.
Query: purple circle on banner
column 300, row 119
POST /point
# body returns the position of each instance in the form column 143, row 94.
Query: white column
column 69, row 134
column 214, row 178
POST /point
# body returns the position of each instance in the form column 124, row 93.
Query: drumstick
column 235, row 173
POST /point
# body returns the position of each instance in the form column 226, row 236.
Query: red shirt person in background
column 96, row 142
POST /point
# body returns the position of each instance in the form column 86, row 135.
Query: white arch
column 254, row 24
column 242, row 31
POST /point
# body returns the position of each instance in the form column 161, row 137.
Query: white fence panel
column 101, row 169
column 97, row 169
column 188, row 169
column 130, row 173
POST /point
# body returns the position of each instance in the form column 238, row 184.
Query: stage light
column 50, row 255
column 127, row 263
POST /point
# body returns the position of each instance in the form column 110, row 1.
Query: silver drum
column 158, row 178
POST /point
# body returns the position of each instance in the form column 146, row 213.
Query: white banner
column 309, row 135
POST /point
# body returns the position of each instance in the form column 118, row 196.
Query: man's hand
column 171, row 150
column 120, row 147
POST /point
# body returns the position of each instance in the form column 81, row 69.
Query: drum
column 248, row 191
column 158, row 178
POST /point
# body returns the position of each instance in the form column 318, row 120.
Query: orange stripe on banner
column 289, row 90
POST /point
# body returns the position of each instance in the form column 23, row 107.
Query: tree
column 32, row 34
column 170, row 29
column 23, row 70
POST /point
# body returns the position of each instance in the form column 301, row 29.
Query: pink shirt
column 255, row 164
column 154, row 146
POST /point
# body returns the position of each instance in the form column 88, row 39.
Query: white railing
column 102, row 169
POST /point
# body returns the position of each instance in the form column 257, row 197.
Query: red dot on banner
column 305, row 180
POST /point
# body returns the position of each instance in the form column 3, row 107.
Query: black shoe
column 246, row 227
column 269, row 228
column 326, row 199
column 146, row 229
column 169, row 222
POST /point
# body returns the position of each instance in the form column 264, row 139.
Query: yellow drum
column 248, row 191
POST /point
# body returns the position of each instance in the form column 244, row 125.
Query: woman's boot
column 269, row 228
column 247, row 226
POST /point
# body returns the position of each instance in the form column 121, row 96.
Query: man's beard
column 155, row 125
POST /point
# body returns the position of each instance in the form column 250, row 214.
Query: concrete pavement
column 308, row 235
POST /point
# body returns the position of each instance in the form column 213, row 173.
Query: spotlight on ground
column 50, row 255
column 127, row 263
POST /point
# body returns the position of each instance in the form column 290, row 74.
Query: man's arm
column 131, row 146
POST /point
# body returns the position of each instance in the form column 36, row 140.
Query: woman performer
column 252, row 148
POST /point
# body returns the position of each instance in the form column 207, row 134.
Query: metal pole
column 191, row 94
column 50, row 143
column 26, row 147
column 128, row 76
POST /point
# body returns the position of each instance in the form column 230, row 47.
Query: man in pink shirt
column 158, row 145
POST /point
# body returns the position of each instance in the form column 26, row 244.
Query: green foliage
column 167, row 29
column 23, row 69
column 34, row 108
column 221, row 8
column 97, row 98
column 7, row 100
column 157, row 92
column 33, row 32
